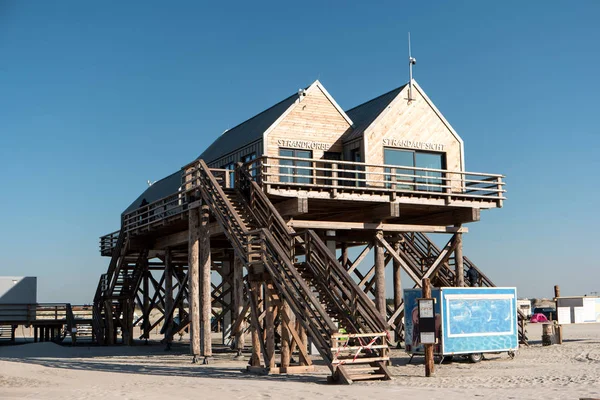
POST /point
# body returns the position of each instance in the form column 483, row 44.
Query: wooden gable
column 314, row 122
column 417, row 125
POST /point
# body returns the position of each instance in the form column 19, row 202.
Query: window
column 246, row 159
column 289, row 168
column 407, row 178
column 357, row 178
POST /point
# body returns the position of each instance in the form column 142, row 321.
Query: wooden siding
column 415, row 122
column 316, row 120
column 255, row 147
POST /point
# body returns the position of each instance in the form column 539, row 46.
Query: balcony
column 326, row 180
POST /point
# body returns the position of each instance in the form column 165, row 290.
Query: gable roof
column 364, row 114
column 157, row 191
column 231, row 140
column 247, row 132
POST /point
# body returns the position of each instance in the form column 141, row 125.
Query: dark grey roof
column 239, row 136
column 246, row 132
column 363, row 115
column 157, row 191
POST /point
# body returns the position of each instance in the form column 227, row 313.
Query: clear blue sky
column 98, row 97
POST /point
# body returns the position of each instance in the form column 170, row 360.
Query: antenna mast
column 411, row 61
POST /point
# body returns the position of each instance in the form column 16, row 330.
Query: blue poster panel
column 478, row 320
column 411, row 320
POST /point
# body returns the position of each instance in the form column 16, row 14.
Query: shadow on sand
column 152, row 359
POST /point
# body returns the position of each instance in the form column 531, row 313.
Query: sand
column 49, row 371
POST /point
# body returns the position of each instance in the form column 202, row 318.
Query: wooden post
column 428, row 347
column 193, row 281
column 146, row 312
column 205, row 290
column 397, row 288
column 380, row 276
column 285, row 337
column 35, row 334
column 345, row 255
column 110, row 328
column 270, row 327
column 559, row 333
column 303, row 339
column 168, row 298
column 238, row 301
column 255, row 359
column 459, row 267
column 227, row 299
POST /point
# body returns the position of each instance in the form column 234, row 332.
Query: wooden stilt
column 256, row 339
column 559, row 332
column 205, row 290
column 459, row 268
column 428, row 347
column 193, row 281
column 397, row 287
column 35, row 334
column 146, row 311
column 285, row 337
column 169, row 298
column 344, row 255
column 110, row 328
column 238, row 301
column 380, row 276
column 270, row 328
column 227, row 299
column 303, row 343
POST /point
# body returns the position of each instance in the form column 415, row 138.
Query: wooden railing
column 143, row 217
column 338, row 177
column 356, row 307
column 333, row 178
column 108, row 242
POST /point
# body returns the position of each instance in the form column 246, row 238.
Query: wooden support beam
column 380, row 275
column 292, row 325
column 360, row 257
column 292, row 207
column 146, row 305
column 376, row 213
column 397, row 257
column 397, row 287
column 258, row 345
column 443, row 257
column 338, row 225
column 205, row 288
column 239, row 308
column 194, row 281
column 458, row 258
column 285, row 337
column 181, row 238
column 270, row 325
column 168, row 298
column 448, row 217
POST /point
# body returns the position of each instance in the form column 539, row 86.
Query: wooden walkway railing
column 336, row 178
column 324, row 178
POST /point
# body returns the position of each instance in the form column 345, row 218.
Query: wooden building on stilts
column 274, row 207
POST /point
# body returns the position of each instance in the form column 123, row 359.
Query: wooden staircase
column 422, row 252
column 115, row 294
column 318, row 290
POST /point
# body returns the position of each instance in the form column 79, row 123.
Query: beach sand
column 50, row 371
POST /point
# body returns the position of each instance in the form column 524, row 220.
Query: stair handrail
column 257, row 197
column 376, row 321
column 243, row 238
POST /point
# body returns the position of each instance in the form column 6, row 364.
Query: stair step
column 362, row 369
column 365, row 377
